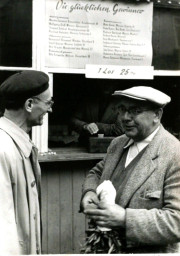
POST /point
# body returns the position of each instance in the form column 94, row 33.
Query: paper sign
column 119, row 72
column 98, row 32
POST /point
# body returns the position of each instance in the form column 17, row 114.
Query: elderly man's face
column 42, row 104
column 137, row 118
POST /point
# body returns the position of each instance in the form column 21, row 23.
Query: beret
column 23, row 85
column 145, row 93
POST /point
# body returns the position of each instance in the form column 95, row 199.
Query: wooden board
column 63, row 225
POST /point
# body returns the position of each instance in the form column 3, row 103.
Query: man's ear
column 28, row 105
column 158, row 115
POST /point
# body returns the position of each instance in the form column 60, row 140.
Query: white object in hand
column 106, row 194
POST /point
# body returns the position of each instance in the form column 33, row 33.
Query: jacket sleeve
column 78, row 120
column 158, row 226
column 92, row 180
column 9, row 243
column 77, row 124
column 112, row 129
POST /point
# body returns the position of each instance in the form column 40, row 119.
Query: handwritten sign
column 119, row 72
column 97, row 32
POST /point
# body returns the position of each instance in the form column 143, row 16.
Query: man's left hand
column 110, row 216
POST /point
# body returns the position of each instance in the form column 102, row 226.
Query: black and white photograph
column 89, row 127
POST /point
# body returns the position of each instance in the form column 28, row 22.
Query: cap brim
column 128, row 96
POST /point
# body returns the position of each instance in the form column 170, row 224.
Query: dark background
column 70, row 89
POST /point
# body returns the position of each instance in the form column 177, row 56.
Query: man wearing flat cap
column 27, row 99
column 144, row 167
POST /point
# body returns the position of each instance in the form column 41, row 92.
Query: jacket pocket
column 149, row 199
column 152, row 194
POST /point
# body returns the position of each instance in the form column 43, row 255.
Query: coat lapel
column 112, row 158
column 143, row 170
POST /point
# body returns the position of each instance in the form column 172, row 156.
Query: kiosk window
column 71, row 91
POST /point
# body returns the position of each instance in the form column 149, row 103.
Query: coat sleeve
column 158, row 226
column 78, row 120
column 9, row 243
column 112, row 129
column 92, row 180
column 76, row 124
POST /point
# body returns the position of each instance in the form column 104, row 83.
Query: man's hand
column 92, row 128
column 110, row 216
column 90, row 201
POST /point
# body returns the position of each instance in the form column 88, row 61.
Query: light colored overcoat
column 19, row 226
column 152, row 194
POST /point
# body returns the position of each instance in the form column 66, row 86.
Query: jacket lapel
column 112, row 158
column 143, row 170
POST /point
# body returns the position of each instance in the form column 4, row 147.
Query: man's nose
column 127, row 116
column 50, row 110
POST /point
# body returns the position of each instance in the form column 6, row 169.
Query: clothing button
column 33, row 183
column 34, row 216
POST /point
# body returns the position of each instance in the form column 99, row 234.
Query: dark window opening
column 70, row 90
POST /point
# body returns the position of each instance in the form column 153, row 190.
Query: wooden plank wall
column 63, row 225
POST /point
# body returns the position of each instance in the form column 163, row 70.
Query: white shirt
column 136, row 147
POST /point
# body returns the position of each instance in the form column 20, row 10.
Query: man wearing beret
column 144, row 167
column 27, row 99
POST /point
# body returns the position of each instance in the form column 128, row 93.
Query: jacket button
column 33, row 183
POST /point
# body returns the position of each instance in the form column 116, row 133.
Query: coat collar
column 20, row 137
column 144, row 168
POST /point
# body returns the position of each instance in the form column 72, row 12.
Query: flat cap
column 145, row 93
column 23, row 85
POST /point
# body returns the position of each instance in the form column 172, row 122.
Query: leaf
column 90, row 240
column 97, row 241
column 91, row 237
column 88, row 249
column 111, row 249
column 109, row 242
